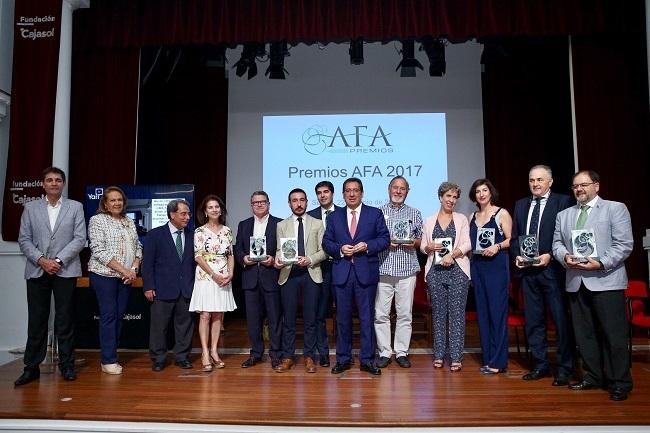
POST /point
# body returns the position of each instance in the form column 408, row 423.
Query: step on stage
column 257, row 398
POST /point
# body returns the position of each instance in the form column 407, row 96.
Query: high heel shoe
column 438, row 363
column 206, row 367
column 487, row 370
column 217, row 362
column 456, row 366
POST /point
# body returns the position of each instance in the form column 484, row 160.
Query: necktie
column 534, row 219
column 353, row 224
column 582, row 218
column 179, row 244
column 301, row 238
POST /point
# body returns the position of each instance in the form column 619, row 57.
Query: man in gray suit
column 596, row 286
column 52, row 233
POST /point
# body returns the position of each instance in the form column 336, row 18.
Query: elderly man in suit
column 354, row 237
column 168, row 274
column 542, row 282
column 596, row 285
column 300, row 276
column 325, row 193
column 260, row 281
column 52, row 233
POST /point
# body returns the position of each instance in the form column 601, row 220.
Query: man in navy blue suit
column 260, row 281
column 325, row 193
column 543, row 282
column 168, row 274
column 354, row 237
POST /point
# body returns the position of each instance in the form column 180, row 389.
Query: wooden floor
column 420, row 396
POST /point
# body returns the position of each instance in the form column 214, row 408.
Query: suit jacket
column 462, row 240
column 371, row 229
column 314, row 230
column 65, row 241
column 318, row 214
column 267, row 276
column 555, row 203
column 162, row 269
column 612, row 226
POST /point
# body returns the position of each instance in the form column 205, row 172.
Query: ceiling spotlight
column 356, row 51
column 409, row 62
column 247, row 61
column 435, row 49
column 278, row 52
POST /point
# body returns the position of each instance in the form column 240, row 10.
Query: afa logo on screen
column 316, row 140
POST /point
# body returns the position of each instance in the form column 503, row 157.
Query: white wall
column 13, row 308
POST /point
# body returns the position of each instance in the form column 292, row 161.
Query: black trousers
column 161, row 314
column 39, row 293
column 600, row 326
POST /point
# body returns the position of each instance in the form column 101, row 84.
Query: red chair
column 422, row 307
column 636, row 298
column 516, row 318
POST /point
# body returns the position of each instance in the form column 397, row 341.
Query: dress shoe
column 157, row 366
column 403, row 361
column 369, row 368
column 275, row 363
column 535, row 375
column 285, row 365
column 618, row 394
column 583, row 385
column 27, row 376
column 250, row 362
column 310, row 366
column 340, row 367
column 382, row 362
column 185, row 364
column 324, row 360
column 561, row 380
column 487, row 370
column 114, row 368
column 69, row 374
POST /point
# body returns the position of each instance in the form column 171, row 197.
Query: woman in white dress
column 212, row 294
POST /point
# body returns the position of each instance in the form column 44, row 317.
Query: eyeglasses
column 581, row 185
column 259, row 203
column 352, row 190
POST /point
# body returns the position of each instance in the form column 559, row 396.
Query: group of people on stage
column 356, row 255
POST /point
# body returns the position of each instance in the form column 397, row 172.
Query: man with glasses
column 300, row 279
column 260, row 281
column 168, row 275
column 597, row 284
column 397, row 273
column 542, row 281
column 354, row 237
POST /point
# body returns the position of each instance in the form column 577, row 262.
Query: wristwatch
column 59, row 261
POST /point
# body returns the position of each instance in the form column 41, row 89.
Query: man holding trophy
column 397, row 271
column 541, row 276
column 592, row 240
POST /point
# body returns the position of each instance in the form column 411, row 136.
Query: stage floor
column 416, row 397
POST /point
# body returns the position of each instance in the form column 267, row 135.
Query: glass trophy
column 289, row 250
column 484, row 239
column 584, row 245
column 529, row 250
column 400, row 231
column 258, row 249
column 446, row 249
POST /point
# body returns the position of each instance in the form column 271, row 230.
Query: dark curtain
column 183, row 120
column 526, row 113
column 613, row 126
column 165, row 22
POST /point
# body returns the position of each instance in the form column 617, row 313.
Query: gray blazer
column 68, row 238
column 313, row 237
column 612, row 226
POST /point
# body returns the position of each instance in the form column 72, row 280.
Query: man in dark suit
column 542, row 282
column 168, row 274
column 597, row 285
column 260, row 281
column 325, row 193
column 354, row 237
column 52, row 233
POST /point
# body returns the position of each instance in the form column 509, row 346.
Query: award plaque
column 529, row 249
column 446, row 249
column 584, row 245
column 289, row 250
column 258, row 249
column 484, row 239
column 400, row 232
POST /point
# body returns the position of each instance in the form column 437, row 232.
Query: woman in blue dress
column 490, row 274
